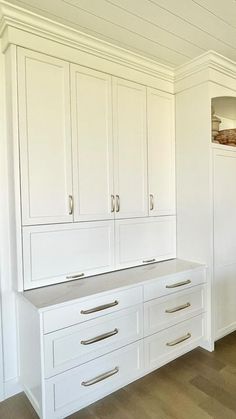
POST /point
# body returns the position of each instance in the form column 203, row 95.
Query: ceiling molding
column 27, row 21
column 206, row 61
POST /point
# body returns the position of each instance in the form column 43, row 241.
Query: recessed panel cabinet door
column 92, row 144
column 130, row 144
column 63, row 252
column 161, row 153
column 45, row 138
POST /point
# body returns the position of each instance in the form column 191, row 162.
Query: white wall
column 8, row 312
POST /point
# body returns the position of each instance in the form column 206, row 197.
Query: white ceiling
column 170, row 31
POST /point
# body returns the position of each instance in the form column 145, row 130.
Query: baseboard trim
column 12, row 387
column 225, row 331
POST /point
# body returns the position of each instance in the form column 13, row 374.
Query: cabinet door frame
column 109, row 214
column 133, row 213
column 171, row 209
column 27, row 219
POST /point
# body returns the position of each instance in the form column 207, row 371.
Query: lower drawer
column 167, row 311
column 170, row 343
column 78, row 387
column 75, row 345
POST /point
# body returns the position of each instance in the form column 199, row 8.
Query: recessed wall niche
column 224, row 120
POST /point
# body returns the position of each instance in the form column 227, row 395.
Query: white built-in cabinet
column 45, row 138
column 130, row 146
column 96, row 166
column 91, row 106
column 161, row 152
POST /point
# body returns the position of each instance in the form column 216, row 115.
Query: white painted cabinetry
column 92, row 144
column 161, row 152
column 90, row 343
column 45, row 138
column 130, row 146
column 225, row 239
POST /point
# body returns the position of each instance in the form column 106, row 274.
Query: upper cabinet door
column 130, row 144
column 92, row 144
column 45, row 138
column 161, row 153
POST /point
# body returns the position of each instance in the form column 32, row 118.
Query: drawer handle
column 100, row 377
column 179, row 340
column 101, row 337
column 77, row 276
column 149, row 260
column 100, row 308
column 182, row 307
column 179, row 284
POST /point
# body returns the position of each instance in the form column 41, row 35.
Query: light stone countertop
column 45, row 297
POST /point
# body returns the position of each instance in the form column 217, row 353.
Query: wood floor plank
column 199, row 385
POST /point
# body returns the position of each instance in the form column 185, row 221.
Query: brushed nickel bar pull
column 112, row 203
column 71, row 205
column 151, row 202
column 179, row 340
column 179, row 308
column 101, row 337
column 77, row 276
column 117, row 203
column 149, row 260
column 100, row 377
column 100, row 308
column 179, row 284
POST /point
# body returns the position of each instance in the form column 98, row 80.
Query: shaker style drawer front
column 65, row 252
column 70, row 391
column 166, row 311
column 73, row 346
column 91, row 308
column 175, row 283
column 170, row 343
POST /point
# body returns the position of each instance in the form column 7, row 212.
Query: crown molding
column 12, row 16
column 203, row 65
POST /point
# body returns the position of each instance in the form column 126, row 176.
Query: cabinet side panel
column 29, row 352
column 194, row 181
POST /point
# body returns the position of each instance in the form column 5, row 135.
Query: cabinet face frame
column 161, row 148
column 125, row 190
column 83, row 144
column 64, row 166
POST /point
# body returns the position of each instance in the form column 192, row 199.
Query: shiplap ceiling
column 169, row 31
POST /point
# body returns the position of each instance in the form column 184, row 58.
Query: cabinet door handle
column 100, row 377
column 100, row 308
column 71, row 205
column 101, row 337
column 112, row 203
column 77, row 276
column 179, row 340
column 179, row 284
column 151, row 202
column 149, row 260
column 117, row 203
column 179, row 308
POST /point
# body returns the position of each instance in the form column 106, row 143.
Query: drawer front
column 78, row 344
column 56, row 319
column 78, row 387
column 59, row 253
column 170, row 343
column 166, row 311
column 174, row 283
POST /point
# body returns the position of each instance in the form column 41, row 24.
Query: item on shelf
column 226, row 136
column 215, row 124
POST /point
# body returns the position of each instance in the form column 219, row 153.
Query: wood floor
column 200, row 385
